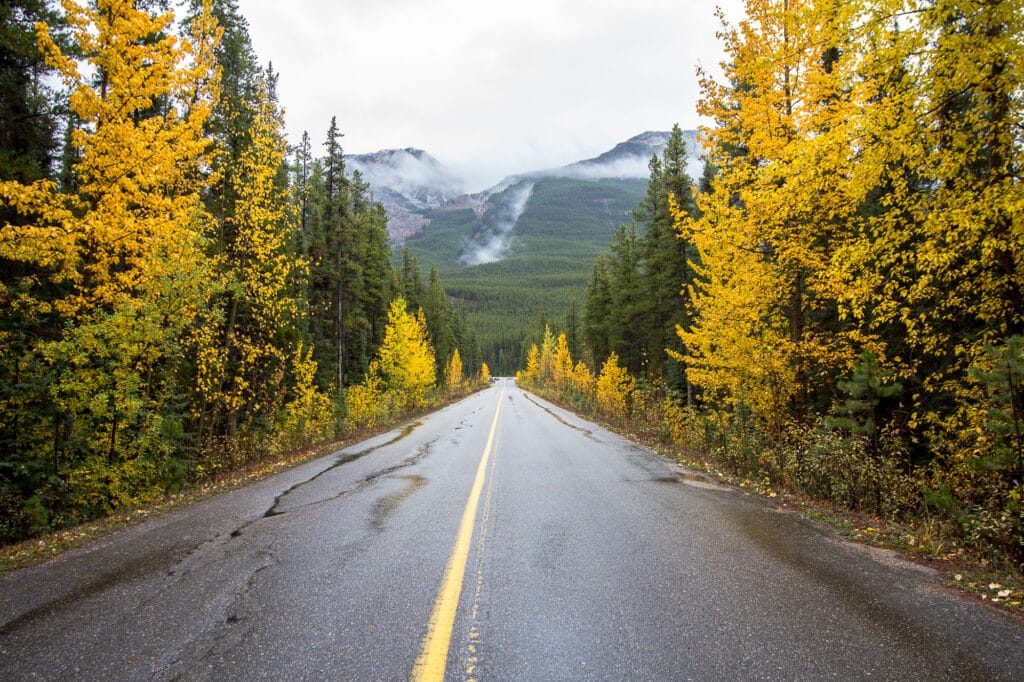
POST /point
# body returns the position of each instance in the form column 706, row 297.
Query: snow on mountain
column 409, row 182
column 411, row 176
column 630, row 159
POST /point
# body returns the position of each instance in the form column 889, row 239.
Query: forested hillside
column 843, row 307
column 544, row 266
column 180, row 294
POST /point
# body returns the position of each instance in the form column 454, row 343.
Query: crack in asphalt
column 586, row 432
column 362, row 484
column 341, row 460
column 221, row 637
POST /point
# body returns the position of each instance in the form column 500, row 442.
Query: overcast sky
column 488, row 88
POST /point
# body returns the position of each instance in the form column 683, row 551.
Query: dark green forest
column 566, row 225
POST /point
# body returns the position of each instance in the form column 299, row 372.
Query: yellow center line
column 434, row 650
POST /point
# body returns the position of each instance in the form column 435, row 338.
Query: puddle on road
column 388, row 505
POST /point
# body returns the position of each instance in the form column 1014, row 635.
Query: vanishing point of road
column 499, row 538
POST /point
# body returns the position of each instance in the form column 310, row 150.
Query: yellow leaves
column 531, row 375
column 366, row 403
column 583, row 380
column 453, row 372
column 308, row 416
column 615, row 388
column 485, row 373
column 561, row 365
column 138, row 200
column 406, row 360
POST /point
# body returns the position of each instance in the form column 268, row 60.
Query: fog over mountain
column 493, row 242
column 412, row 176
column 410, row 183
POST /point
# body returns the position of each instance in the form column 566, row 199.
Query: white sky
column 489, row 89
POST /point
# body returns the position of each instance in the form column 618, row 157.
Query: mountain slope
column 546, row 258
column 524, row 250
column 407, row 182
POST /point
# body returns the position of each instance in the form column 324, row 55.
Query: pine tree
column 666, row 257
column 441, row 320
column 28, row 119
column 627, row 330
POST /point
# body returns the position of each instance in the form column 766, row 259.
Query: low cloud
column 492, row 243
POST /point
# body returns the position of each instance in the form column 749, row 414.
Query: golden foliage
column 309, row 415
column 406, row 360
column 366, row 404
column 531, row 375
column 615, row 388
column 123, row 255
column 242, row 366
column 561, row 365
column 453, row 372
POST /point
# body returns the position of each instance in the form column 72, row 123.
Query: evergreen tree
column 301, row 170
column 627, row 332
column 441, row 320
column 667, row 257
column 598, row 310
column 351, row 275
column 28, row 106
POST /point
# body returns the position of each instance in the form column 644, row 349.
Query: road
column 582, row 556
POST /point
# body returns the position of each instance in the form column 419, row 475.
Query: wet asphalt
column 592, row 558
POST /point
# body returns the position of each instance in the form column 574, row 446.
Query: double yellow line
column 434, row 650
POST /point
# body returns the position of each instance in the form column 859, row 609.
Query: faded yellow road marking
column 434, row 650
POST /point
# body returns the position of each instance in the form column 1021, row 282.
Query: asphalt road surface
column 517, row 542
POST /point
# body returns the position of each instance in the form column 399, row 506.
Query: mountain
column 526, row 257
column 407, row 182
column 411, row 183
column 627, row 159
column 630, row 159
column 523, row 250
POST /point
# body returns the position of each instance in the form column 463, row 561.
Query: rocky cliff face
column 407, row 182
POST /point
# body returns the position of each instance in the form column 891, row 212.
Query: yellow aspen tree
column 615, row 388
column 405, row 359
column 546, row 359
column 485, row 374
column 366, row 404
column 453, row 372
column 777, row 209
column 125, row 250
column 583, row 382
column 307, row 416
column 738, row 350
column 965, row 287
column 531, row 375
column 937, row 277
column 562, row 366
column 259, row 306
